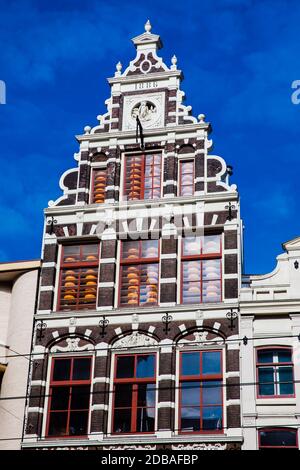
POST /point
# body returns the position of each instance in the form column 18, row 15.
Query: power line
column 217, row 342
column 204, row 384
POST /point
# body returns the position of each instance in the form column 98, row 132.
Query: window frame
column 138, row 262
column 67, row 383
column 202, row 257
column 271, row 429
column 135, row 382
column 76, row 265
column 124, row 168
column 274, row 366
column 200, row 378
column 180, row 162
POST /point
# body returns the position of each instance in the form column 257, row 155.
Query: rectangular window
column 98, row 185
column 275, row 372
column 70, row 387
column 186, row 177
column 201, row 269
column 142, row 177
column 280, row 438
column 78, row 277
column 201, row 391
column 134, row 394
column 139, row 273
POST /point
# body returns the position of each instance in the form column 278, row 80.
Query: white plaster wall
column 5, row 295
column 15, row 377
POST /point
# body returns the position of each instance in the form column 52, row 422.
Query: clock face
column 149, row 109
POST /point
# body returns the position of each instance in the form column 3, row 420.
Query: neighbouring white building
column 270, row 353
column 18, row 284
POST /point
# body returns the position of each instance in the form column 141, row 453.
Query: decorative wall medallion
column 148, row 108
column 135, row 339
column 200, row 339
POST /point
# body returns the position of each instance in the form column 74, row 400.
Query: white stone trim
column 35, row 409
column 168, row 256
column 46, row 288
column 107, row 261
column 100, row 406
column 166, row 377
column 168, row 280
column 106, row 284
column 49, row 264
column 38, row 383
column 166, row 404
column 100, row 380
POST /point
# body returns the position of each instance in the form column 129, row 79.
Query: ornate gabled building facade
column 136, row 337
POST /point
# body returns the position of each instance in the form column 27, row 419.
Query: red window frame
column 200, row 257
column 270, row 430
column 98, row 193
column 75, row 272
column 71, row 384
column 134, row 381
column 274, row 366
column 134, row 185
column 203, row 379
column 138, row 263
column 181, row 186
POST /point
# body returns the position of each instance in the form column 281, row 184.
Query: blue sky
column 239, row 58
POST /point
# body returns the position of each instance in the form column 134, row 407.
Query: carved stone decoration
column 72, row 345
column 200, row 339
column 200, row 446
column 130, row 447
column 135, row 339
column 150, row 111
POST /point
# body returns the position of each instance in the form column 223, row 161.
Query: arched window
column 275, row 376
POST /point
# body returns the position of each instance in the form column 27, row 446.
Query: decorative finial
column 174, row 62
column 87, row 129
column 201, row 118
column 148, row 27
column 118, row 69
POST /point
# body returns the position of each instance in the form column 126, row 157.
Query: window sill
column 275, row 401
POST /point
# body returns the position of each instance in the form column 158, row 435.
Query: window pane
column 125, row 367
column 122, row 420
column 130, row 250
column 265, row 355
column 80, row 397
column 149, row 284
column 211, row 291
column 146, row 395
column 133, row 178
column 90, row 252
column 145, row 366
column 211, row 363
column 212, row 393
column 149, row 249
column 78, row 423
column 60, row 398
column 190, row 393
column 62, row 369
column 58, row 424
column 191, row 246
column 278, row 438
column 190, row 364
column 190, row 419
column 266, row 381
column 123, row 395
column 212, row 417
column 211, row 269
column 130, row 280
column 286, row 375
column 71, row 253
column 82, row 369
column 145, row 419
column 212, row 244
column 98, row 195
column 284, row 355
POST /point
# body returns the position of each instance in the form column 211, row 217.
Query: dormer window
column 142, row 176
